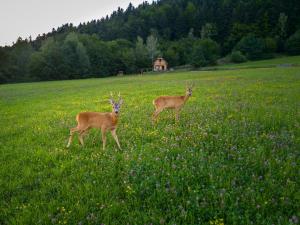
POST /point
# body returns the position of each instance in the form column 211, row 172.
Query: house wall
column 160, row 65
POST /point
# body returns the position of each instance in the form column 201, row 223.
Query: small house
column 160, row 65
column 120, row 73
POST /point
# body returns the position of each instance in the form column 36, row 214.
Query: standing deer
column 104, row 121
column 171, row 102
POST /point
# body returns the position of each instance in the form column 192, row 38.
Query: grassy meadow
column 233, row 157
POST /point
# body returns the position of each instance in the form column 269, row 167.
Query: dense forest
column 185, row 32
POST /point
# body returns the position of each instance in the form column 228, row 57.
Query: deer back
column 169, row 101
column 96, row 119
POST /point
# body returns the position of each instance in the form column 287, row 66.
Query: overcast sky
column 22, row 18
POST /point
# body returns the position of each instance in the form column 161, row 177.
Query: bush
column 251, row 46
column 205, row 52
column 292, row 45
column 237, row 57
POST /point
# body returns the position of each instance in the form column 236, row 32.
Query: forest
column 197, row 33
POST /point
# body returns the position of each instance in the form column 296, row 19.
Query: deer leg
column 81, row 135
column 177, row 111
column 156, row 113
column 103, row 138
column 72, row 131
column 114, row 134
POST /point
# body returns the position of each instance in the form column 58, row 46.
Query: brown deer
column 171, row 102
column 104, row 121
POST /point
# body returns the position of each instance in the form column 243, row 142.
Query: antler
column 120, row 98
column 188, row 84
column 111, row 99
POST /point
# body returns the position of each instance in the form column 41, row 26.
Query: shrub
column 237, row 57
column 251, row 46
column 292, row 45
column 205, row 52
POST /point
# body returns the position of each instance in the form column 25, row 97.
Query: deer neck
column 114, row 118
column 185, row 98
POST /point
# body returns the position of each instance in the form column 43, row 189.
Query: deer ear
column 121, row 101
column 111, row 101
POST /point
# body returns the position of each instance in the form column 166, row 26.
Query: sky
column 22, row 18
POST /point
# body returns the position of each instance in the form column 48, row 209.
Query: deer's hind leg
column 72, row 131
column 103, row 131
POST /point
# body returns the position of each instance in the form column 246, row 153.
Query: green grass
column 276, row 62
column 233, row 157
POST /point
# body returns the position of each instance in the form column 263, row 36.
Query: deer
column 101, row 120
column 171, row 102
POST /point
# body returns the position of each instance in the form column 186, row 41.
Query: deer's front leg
column 81, row 135
column 103, row 131
column 72, row 131
column 114, row 134
column 156, row 113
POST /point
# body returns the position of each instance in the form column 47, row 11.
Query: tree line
column 185, row 32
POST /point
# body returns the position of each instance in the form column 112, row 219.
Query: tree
column 191, row 34
column 49, row 62
column 99, row 55
column 292, row 44
column 251, row 46
column 190, row 14
column 270, row 45
column 237, row 57
column 83, row 60
column 19, row 59
column 76, row 58
column 282, row 25
column 128, row 60
column 4, row 63
column 152, row 47
column 281, row 31
column 208, row 30
column 141, row 54
column 238, row 31
column 172, row 56
column 205, row 52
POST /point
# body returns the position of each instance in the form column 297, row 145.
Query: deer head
column 189, row 89
column 116, row 105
